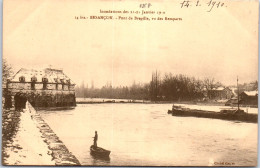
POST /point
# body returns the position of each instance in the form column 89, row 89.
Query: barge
column 224, row 114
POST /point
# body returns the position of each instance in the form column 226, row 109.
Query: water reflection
column 97, row 159
column 145, row 135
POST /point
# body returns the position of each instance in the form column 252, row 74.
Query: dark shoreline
column 115, row 101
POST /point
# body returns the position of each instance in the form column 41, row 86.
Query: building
column 220, row 93
column 249, row 97
column 42, row 88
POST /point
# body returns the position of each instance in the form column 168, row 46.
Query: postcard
column 130, row 83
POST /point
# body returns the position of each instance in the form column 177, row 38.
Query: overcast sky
column 220, row 44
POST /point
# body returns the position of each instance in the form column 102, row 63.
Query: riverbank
column 125, row 101
column 110, row 100
column 28, row 140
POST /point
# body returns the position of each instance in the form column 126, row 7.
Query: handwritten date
column 211, row 4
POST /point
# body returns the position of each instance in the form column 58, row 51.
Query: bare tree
column 6, row 71
column 209, row 84
column 155, row 85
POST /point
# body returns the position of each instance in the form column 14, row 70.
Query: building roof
column 251, row 93
column 219, row 88
column 53, row 75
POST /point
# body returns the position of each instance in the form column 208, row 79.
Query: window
column 34, row 79
column 45, row 80
column 22, row 79
column 57, row 86
column 63, row 86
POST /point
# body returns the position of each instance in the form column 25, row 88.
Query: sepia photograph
column 130, row 83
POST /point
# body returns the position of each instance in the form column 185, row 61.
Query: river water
column 145, row 135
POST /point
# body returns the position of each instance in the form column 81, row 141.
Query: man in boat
column 95, row 139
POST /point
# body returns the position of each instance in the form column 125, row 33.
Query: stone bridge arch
column 20, row 101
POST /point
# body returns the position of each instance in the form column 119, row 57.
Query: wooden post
column 237, row 94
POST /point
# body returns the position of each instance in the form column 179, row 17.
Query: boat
column 224, row 114
column 99, row 152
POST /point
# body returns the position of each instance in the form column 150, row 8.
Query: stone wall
column 60, row 153
column 39, row 86
column 17, row 96
column 28, row 140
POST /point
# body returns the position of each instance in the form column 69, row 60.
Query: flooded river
column 145, row 135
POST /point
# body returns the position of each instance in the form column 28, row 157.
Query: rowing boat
column 98, row 151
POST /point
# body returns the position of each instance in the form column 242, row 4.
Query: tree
column 209, row 84
column 255, row 85
column 155, row 85
column 6, row 71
